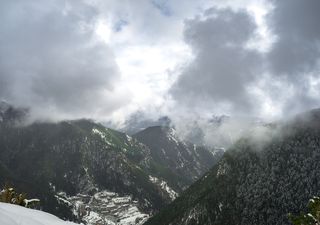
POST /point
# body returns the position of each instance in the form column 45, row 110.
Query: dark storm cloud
column 50, row 59
column 223, row 65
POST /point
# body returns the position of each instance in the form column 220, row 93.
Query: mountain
column 187, row 162
column 60, row 162
column 76, row 165
column 255, row 182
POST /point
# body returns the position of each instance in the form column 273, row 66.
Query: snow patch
column 128, row 138
column 17, row 215
column 172, row 136
column 164, row 186
column 102, row 135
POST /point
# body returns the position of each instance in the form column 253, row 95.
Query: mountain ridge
column 254, row 184
column 72, row 162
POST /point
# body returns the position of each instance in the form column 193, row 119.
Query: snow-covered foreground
column 17, row 215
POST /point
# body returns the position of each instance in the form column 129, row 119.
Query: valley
column 117, row 176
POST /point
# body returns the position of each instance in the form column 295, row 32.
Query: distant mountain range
column 74, row 164
column 255, row 182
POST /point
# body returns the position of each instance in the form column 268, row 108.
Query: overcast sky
column 107, row 59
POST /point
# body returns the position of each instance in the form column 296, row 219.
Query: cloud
column 222, row 65
column 100, row 59
column 297, row 49
column 52, row 61
column 248, row 65
column 294, row 57
column 230, row 71
column 147, row 49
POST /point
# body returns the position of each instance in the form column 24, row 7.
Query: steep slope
column 255, row 184
column 186, row 162
column 78, row 158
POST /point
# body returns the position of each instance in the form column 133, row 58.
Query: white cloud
column 109, row 59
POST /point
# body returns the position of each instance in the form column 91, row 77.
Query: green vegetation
column 254, row 184
column 310, row 218
column 76, row 157
column 9, row 195
column 82, row 157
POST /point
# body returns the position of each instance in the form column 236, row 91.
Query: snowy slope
column 17, row 215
